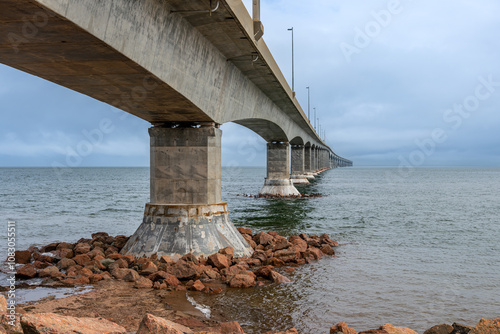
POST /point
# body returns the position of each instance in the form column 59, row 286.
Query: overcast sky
column 393, row 82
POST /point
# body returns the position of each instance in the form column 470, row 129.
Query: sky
column 394, row 82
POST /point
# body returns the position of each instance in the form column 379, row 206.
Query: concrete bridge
column 186, row 67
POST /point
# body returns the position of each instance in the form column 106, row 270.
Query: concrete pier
column 278, row 182
column 186, row 213
column 298, row 165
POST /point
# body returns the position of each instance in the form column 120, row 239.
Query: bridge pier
column 308, row 162
column 186, row 213
column 298, row 170
column 278, row 182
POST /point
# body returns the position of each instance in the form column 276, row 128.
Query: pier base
column 299, row 179
column 283, row 188
column 175, row 230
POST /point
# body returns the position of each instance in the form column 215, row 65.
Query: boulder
column 229, row 251
column 155, row 325
column 102, row 235
column 190, row 258
column 243, row 230
column 65, row 253
column 281, row 243
column 49, row 248
column 197, row 286
column 3, row 304
column 55, row 323
column 49, row 272
column 461, row 329
column 486, row 326
column 147, row 268
column 143, row 283
column 231, row 328
column 184, row 270
column 325, row 239
column 250, row 241
column 22, row 257
column 166, row 259
column 278, row 278
column 219, row 261
column 131, row 276
column 299, row 243
column 120, row 273
column 260, row 255
column 327, row 250
column 341, row 328
column 82, row 248
column 263, row 238
column 65, row 263
column 26, row 271
column 82, row 259
column 391, row 329
column 242, row 281
column 264, row 271
column 440, row 329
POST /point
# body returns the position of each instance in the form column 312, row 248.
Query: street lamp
column 308, row 104
column 293, row 69
column 314, row 118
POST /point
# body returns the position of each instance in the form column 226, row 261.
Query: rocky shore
column 148, row 295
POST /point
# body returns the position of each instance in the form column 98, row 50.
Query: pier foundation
column 278, row 182
column 298, row 170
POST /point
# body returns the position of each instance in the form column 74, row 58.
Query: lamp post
column 308, row 104
column 293, row 69
column 314, row 118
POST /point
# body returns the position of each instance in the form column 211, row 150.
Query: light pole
column 293, row 69
column 308, row 104
column 314, row 118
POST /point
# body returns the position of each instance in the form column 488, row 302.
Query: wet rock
column 263, row 238
column 264, row 271
column 325, row 239
column 440, row 329
column 327, row 250
column 315, row 252
column 197, row 286
column 55, row 323
column 184, row 270
column 391, row 329
column 243, row 230
column 341, row 328
column 242, row 281
column 461, row 329
column 155, row 325
column 22, row 257
column 288, row 255
column 49, row 272
column 49, row 248
column 143, row 283
column 131, row 276
column 26, row 271
column 486, row 326
column 278, row 278
column 299, row 243
column 43, row 257
column 219, row 261
column 231, row 328
column 82, row 259
column 41, row 265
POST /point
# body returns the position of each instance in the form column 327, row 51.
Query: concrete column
column 278, row 182
column 308, row 162
column 298, row 165
column 185, row 213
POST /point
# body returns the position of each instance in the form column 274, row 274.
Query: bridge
column 186, row 67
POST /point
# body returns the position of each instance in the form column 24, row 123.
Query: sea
column 419, row 246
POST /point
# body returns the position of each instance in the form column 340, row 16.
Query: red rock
column 64, row 245
column 119, row 273
column 48, row 272
column 211, row 273
column 49, row 248
column 113, row 256
column 26, row 271
column 288, row 255
column 96, row 278
column 197, row 286
column 242, row 281
column 129, row 258
column 234, row 270
column 147, row 268
column 43, row 258
column 141, row 260
column 440, row 329
column 278, row 278
column 219, row 261
column 65, row 253
column 374, row 331
column 143, row 283
column 327, row 250
column 391, row 329
column 96, row 235
column 315, row 252
column 22, row 257
column 132, row 276
column 41, row 265
column 106, row 276
column 171, row 281
column 229, row 251
column 82, row 248
column 292, row 331
column 341, row 328
column 275, row 262
column 250, row 241
column 99, row 258
column 243, row 230
column 55, row 323
column 260, row 255
column 325, row 239
column 155, row 325
column 231, row 328
column 82, row 259
column 166, row 259
column 254, row 262
column 303, row 236
column 281, row 243
column 299, row 243
column 120, row 263
column 95, row 265
column 184, row 270
column 96, row 251
column 264, row 271
column 84, row 272
column 259, row 247
column 76, row 281
column 159, row 275
column 263, row 238
column 190, row 258
column 486, row 326
column 461, row 329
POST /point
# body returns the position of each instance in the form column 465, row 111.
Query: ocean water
column 419, row 247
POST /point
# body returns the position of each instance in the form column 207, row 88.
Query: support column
column 278, row 182
column 308, row 162
column 186, row 213
column 298, row 165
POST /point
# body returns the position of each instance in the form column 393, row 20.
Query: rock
column 263, row 238
column 250, row 241
column 48, row 272
column 131, row 276
column 278, row 278
column 120, row 273
column 229, row 251
column 114, row 256
column 65, row 253
column 111, row 250
column 341, row 328
column 129, row 258
column 219, row 261
column 315, row 252
column 275, row 262
column 107, row 262
column 143, row 283
column 234, row 270
column 391, row 329
column 120, row 263
column 461, row 329
column 65, row 263
column 486, row 326
column 327, row 250
column 260, row 255
column 292, row 331
column 95, row 265
column 299, row 243
column 243, row 230
column 22, row 257
column 55, row 323
column 3, row 304
column 325, row 239
column 231, row 328
column 96, row 235
column 43, row 257
column 374, row 331
column 64, row 245
column 82, row 259
column 84, row 272
column 49, row 248
column 166, row 259
column 242, row 281
column 41, row 265
column 264, row 271
column 288, row 255
column 440, row 329
column 95, row 252
column 171, row 281
column 147, row 268
column 281, row 243
column 120, row 241
column 155, row 325
column 26, row 271
column 82, row 248
column 197, row 286
column 184, row 270
column 94, row 278
column 190, row 258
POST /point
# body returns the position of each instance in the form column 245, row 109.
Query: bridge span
column 186, row 67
